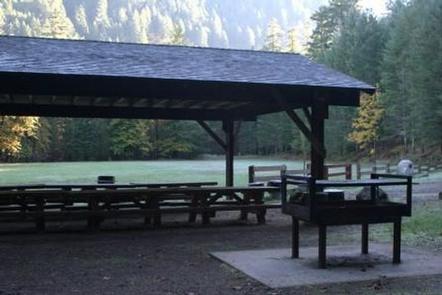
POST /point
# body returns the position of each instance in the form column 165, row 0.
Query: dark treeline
column 400, row 53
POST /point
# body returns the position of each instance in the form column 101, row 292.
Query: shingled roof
column 50, row 73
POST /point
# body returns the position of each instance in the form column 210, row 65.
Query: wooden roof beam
column 308, row 115
column 123, row 112
column 213, row 134
column 298, row 121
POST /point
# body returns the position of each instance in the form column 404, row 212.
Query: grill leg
column 364, row 245
column 295, row 237
column 397, row 241
column 322, row 246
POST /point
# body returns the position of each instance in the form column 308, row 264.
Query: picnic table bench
column 97, row 202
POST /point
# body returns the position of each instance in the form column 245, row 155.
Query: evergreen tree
column 2, row 20
column 322, row 36
column 129, row 139
column 57, row 129
column 396, row 81
column 57, row 24
column 177, row 36
column 274, row 37
column 292, row 41
column 426, row 75
column 328, row 23
column 81, row 20
column 357, row 50
column 139, row 29
column 86, row 139
column 101, row 22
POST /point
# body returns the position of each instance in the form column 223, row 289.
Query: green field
column 132, row 171
column 209, row 169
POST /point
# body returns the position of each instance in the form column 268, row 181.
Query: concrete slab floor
column 275, row 268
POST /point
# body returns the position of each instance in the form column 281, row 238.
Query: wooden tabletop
column 360, row 182
column 139, row 191
column 104, row 186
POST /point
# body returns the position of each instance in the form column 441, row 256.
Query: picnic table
column 322, row 212
column 74, row 186
column 97, row 202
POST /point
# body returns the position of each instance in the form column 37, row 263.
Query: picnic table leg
column 205, row 208
column 193, row 205
column 157, row 212
column 364, row 242
column 93, row 220
column 322, row 246
column 295, row 237
column 147, row 205
column 261, row 212
column 246, row 201
column 40, row 220
column 397, row 241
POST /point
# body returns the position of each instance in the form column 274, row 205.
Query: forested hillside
column 215, row 23
column 400, row 53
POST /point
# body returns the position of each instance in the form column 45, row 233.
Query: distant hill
column 215, row 23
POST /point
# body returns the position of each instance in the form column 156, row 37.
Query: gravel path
column 171, row 260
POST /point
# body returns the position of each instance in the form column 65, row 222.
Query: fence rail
column 423, row 170
column 346, row 170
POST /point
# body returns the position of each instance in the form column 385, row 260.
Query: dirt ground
column 125, row 258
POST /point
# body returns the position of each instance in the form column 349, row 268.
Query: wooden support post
column 364, row 242
column 317, row 156
column 295, row 237
column 322, row 247
column 40, row 220
column 230, row 150
column 397, row 241
column 409, row 194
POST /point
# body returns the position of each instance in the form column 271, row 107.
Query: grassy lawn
column 423, row 229
column 212, row 169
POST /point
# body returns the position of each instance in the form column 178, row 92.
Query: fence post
column 387, row 168
column 358, row 170
column 348, row 171
column 326, row 172
column 251, row 174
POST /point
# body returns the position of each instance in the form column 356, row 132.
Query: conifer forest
column 399, row 52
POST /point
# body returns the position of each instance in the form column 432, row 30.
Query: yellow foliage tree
column 12, row 131
column 366, row 125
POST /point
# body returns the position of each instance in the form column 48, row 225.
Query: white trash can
column 405, row 167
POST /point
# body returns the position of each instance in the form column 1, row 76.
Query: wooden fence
column 384, row 168
column 336, row 170
column 345, row 170
column 423, row 170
